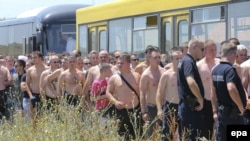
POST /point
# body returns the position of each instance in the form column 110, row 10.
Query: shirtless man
column 142, row 66
column 5, row 80
column 117, row 54
column 167, row 95
column 93, row 73
column 45, row 91
column 53, row 77
column 33, row 80
column 93, row 58
column 205, row 66
column 240, row 58
column 124, row 99
column 241, row 54
column 148, row 88
column 70, row 83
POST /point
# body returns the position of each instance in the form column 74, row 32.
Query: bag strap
column 129, row 85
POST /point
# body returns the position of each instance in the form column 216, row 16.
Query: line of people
column 185, row 94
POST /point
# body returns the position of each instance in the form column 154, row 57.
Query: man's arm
column 61, row 84
column 51, row 77
column 42, row 85
column 9, row 80
column 162, row 87
column 196, row 91
column 28, row 81
column 214, row 104
column 86, row 86
column 143, row 85
column 234, row 94
column 138, row 69
column 110, row 94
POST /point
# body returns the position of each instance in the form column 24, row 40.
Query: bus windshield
column 53, row 37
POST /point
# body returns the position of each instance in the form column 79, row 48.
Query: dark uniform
column 190, row 119
column 228, row 112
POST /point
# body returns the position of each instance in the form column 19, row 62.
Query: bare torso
column 141, row 67
column 171, row 93
column 151, row 83
column 44, row 78
column 34, row 74
column 205, row 69
column 123, row 93
column 245, row 76
column 73, row 81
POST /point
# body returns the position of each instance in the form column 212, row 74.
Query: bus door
column 175, row 29
column 97, row 38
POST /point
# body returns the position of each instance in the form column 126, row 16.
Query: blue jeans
column 224, row 120
column 191, row 120
column 26, row 109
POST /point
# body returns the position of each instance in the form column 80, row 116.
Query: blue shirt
column 222, row 74
column 187, row 67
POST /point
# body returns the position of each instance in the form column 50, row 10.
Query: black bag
column 191, row 101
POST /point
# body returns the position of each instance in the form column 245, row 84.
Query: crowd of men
column 190, row 93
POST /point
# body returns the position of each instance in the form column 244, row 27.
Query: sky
column 13, row 8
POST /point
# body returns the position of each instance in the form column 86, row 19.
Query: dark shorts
column 128, row 123
column 71, row 99
column 51, row 102
column 3, row 101
column 36, row 100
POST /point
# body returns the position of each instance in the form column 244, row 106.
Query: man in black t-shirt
column 228, row 96
column 191, row 91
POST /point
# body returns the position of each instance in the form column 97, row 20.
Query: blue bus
column 39, row 30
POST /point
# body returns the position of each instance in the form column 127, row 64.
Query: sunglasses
column 56, row 62
column 71, row 61
column 86, row 63
column 135, row 59
column 117, row 57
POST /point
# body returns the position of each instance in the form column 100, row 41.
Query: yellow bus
column 131, row 25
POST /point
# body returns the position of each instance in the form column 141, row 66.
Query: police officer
column 191, row 91
column 228, row 96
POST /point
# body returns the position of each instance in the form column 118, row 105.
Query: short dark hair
column 234, row 40
column 125, row 56
column 21, row 63
column 38, row 53
column 228, row 48
column 78, row 53
column 104, row 66
column 149, row 49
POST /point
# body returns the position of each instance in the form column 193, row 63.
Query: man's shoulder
column 93, row 68
column 245, row 64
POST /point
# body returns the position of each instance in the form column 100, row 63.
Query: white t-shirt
column 71, row 45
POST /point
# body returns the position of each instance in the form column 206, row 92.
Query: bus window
column 168, row 37
column 120, row 32
column 183, row 32
column 210, row 24
column 239, row 22
column 92, row 40
column 83, row 36
column 145, row 32
column 103, row 40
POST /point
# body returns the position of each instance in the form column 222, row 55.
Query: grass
column 67, row 123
